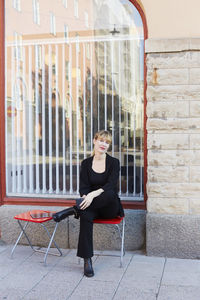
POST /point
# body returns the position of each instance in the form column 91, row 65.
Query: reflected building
column 69, row 75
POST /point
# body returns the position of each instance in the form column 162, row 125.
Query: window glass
column 69, row 73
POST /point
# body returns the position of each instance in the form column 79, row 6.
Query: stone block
column 167, row 141
column 195, row 141
column 194, row 75
column 194, row 43
column 174, row 157
column 194, row 60
column 167, row 45
column 178, row 109
column 168, row 76
column 173, row 235
column 195, row 109
column 188, row 190
column 168, row 174
column 173, row 92
column 179, row 190
column 169, row 60
column 194, row 157
column 168, row 205
column 194, row 206
column 195, row 173
column 190, row 125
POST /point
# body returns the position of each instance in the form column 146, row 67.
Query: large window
column 63, row 83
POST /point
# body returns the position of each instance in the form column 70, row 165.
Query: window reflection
column 67, row 82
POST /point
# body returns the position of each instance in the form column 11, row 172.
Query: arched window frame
column 41, row 201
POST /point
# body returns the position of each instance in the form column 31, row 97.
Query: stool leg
column 45, row 257
column 50, row 236
column 23, row 229
column 19, row 237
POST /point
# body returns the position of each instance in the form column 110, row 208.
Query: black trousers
column 104, row 206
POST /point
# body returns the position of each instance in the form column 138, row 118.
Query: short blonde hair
column 103, row 134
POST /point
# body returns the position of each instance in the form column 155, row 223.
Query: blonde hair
column 103, row 134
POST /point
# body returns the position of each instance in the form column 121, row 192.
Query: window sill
column 62, row 202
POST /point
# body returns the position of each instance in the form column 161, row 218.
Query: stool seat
column 26, row 216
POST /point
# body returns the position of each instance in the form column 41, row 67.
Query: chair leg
column 122, row 243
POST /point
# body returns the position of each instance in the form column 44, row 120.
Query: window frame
column 5, row 200
column 52, row 23
column 36, row 12
column 16, row 5
column 76, row 9
column 86, row 19
column 65, row 3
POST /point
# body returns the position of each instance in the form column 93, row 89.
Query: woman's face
column 101, row 145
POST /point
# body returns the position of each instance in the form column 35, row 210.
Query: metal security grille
column 58, row 94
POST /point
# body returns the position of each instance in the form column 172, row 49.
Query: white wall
column 172, row 18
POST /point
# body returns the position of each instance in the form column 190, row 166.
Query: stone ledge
column 172, row 45
column 105, row 236
column 173, row 235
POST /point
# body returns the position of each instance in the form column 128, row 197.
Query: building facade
column 128, row 66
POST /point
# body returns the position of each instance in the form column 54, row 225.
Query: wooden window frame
column 55, row 202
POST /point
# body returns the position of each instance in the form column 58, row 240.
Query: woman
column 98, row 188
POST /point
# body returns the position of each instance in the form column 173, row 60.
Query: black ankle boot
column 60, row 215
column 88, row 270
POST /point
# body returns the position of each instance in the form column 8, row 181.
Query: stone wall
column 173, row 126
column 105, row 236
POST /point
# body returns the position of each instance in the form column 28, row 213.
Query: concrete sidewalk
column 141, row 278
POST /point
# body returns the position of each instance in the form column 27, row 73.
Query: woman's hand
column 89, row 198
column 87, row 201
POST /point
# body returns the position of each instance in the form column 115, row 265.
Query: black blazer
column 111, row 177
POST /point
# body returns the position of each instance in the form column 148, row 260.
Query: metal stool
column 40, row 220
column 115, row 221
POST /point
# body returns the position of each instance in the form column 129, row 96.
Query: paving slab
column 132, row 293
column 107, row 268
column 51, row 290
column 144, row 273
column 94, row 289
column 181, row 272
column 168, row 292
column 25, row 277
column 9, row 265
column 11, row 293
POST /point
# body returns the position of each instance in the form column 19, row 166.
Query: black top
column 107, row 180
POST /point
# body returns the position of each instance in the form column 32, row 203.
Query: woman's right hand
column 87, row 201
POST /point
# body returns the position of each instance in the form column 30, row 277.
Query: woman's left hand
column 87, row 201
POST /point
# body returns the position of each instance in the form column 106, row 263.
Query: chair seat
column 116, row 220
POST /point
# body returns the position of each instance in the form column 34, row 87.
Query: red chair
column 115, row 221
column 40, row 217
